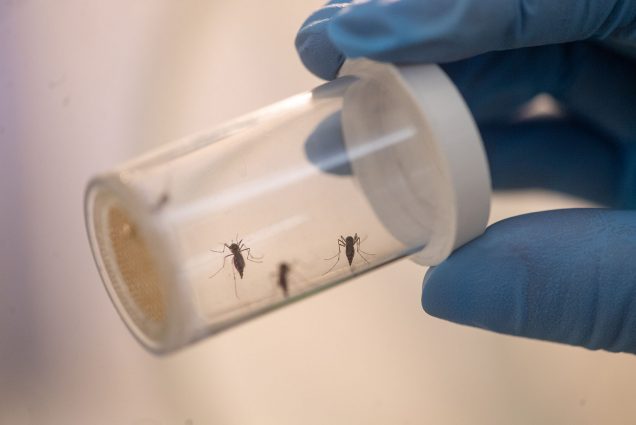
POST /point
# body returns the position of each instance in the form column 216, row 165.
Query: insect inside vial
column 236, row 252
column 285, row 275
column 163, row 199
column 283, row 278
column 161, row 202
column 351, row 244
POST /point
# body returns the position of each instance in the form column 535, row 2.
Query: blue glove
column 567, row 275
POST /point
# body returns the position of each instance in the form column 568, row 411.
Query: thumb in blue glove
column 567, row 276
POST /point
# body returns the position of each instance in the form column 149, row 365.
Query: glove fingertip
column 472, row 287
column 449, row 294
column 318, row 54
column 316, row 50
column 430, row 300
column 563, row 276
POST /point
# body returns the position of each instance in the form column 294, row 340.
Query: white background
column 85, row 85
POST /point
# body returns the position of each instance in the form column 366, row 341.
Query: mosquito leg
column 363, row 252
column 337, row 255
column 331, row 258
column 360, row 251
column 235, row 289
column 362, row 256
column 222, row 251
column 251, row 257
column 254, row 256
column 217, row 272
column 332, row 267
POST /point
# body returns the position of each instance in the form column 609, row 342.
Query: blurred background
column 86, row 85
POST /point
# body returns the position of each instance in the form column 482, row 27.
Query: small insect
column 236, row 251
column 351, row 245
column 283, row 275
column 161, row 202
column 163, row 198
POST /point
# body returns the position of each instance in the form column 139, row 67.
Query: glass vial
column 382, row 163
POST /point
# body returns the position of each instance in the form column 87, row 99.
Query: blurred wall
column 85, row 85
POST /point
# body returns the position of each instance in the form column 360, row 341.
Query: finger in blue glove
column 433, row 31
column 316, row 50
column 566, row 276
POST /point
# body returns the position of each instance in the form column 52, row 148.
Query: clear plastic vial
column 382, row 163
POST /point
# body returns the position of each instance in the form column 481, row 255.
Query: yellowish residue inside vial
column 137, row 269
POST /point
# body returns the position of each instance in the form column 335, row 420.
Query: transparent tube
column 309, row 192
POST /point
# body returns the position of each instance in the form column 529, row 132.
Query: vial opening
column 130, row 271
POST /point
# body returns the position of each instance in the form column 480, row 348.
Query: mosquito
column 283, row 278
column 285, row 275
column 351, row 244
column 236, row 251
column 161, row 202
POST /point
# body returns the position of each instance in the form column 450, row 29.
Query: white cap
column 440, row 198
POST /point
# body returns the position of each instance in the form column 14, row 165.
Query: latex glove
column 568, row 275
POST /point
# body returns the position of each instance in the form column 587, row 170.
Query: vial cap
column 441, row 194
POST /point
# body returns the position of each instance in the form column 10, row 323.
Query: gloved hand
column 567, row 275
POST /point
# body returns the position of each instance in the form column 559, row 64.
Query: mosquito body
column 286, row 275
column 163, row 199
column 351, row 244
column 161, row 202
column 283, row 276
column 238, row 260
column 350, row 247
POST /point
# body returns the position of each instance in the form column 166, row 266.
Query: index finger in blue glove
column 448, row 30
column 567, row 276
column 496, row 84
column 315, row 49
